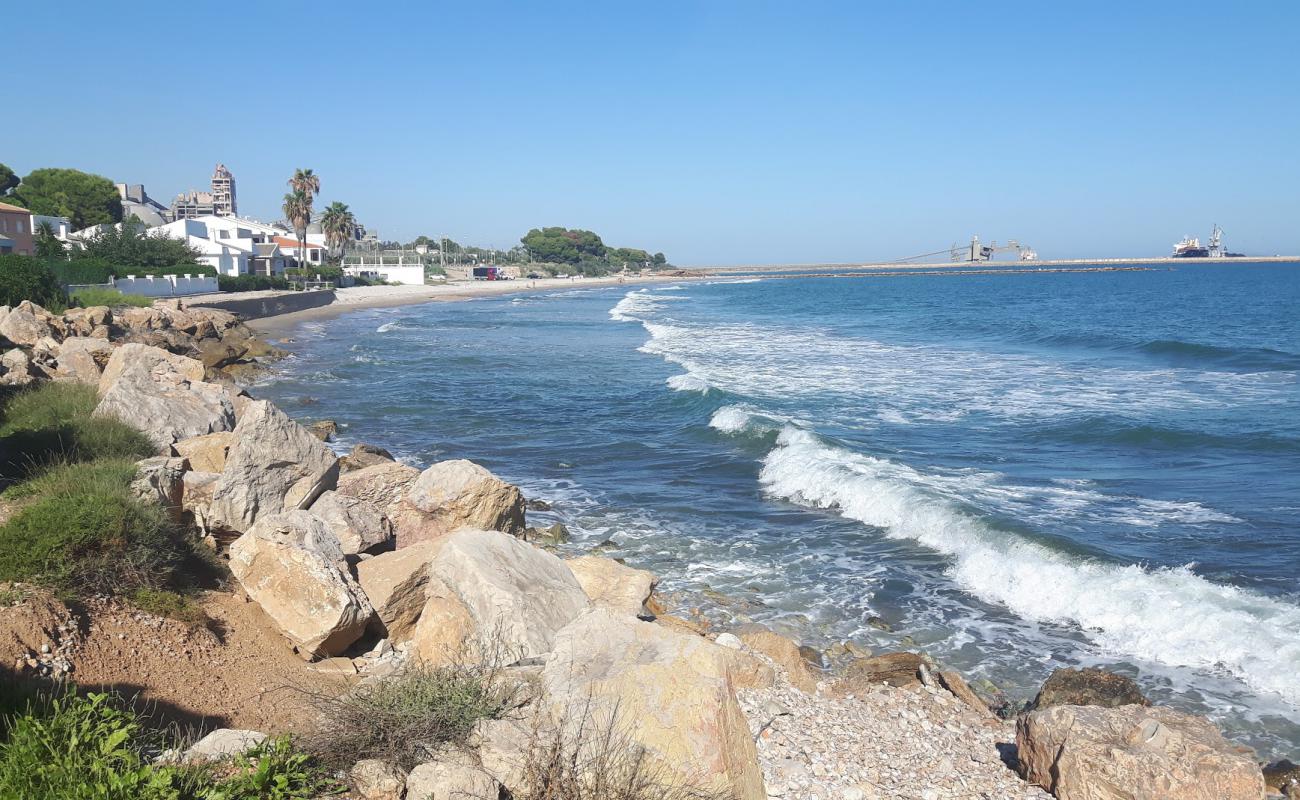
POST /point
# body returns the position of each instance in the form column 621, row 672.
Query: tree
column 48, row 244
column 297, row 210
column 307, row 182
column 129, row 246
column 8, row 180
column 81, row 197
column 660, row 259
column 563, row 246
column 26, row 278
column 339, row 225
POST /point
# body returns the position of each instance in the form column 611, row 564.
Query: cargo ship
column 1190, row 247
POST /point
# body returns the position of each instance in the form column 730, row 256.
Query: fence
column 157, row 285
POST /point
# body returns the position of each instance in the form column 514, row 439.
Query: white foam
column 687, row 383
column 638, row 304
column 1167, row 616
column 730, row 419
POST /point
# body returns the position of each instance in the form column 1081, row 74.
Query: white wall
column 408, row 275
column 164, row 285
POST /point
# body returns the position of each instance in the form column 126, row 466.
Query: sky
column 716, row 132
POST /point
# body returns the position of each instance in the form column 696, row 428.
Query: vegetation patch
column 108, row 297
column 90, row 748
column 53, row 425
column 405, row 719
column 26, row 278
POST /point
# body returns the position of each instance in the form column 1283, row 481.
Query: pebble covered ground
column 917, row 743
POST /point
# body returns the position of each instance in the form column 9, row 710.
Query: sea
column 1012, row 471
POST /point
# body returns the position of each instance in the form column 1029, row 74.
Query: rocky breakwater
column 368, row 567
column 36, row 344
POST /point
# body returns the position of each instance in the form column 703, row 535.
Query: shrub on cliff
column 26, row 278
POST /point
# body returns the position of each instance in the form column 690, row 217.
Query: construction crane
column 976, row 252
column 985, row 252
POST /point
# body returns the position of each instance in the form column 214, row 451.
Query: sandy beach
column 363, row 297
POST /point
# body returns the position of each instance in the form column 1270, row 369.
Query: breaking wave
column 1167, row 616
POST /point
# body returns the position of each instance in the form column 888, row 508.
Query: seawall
column 272, row 304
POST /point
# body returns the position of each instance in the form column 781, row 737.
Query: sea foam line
column 1168, row 616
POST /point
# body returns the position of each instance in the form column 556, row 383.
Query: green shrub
column 82, row 748
column 84, row 532
column 86, row 270
column 167, row 603
column 52, row 424
column 408, row 717
column 108, row 297
column 86, row 748
column 26, row 278
column 250, row 283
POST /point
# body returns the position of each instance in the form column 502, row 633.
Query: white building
column 231, row 245
column 308, row 254
column 391, row 266
column 62, row 226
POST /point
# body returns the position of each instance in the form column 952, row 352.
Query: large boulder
column 1088, row 687
column 383, row 485
column 291, row 565
column 274, row 465
column 671, row 694
column 614, row 585
column 445, row 632
column 222, row 744
column 358, row 524
column 130, row 357
column 26, row 324
column 1132, row 753
column 159, row 393
column 365, row 455
column 458, row 494
column 84, row 358
column 206, row 453
column 397, row 584
column 516, row 593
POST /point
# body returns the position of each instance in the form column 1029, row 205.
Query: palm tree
column 297, row 211
column 307, row 182
column 339, row 225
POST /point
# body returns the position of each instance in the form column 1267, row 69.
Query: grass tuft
column 87, row 298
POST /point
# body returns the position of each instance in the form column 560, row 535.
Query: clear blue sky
column 718, row 132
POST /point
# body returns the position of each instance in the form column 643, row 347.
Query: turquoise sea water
column 1019, row 472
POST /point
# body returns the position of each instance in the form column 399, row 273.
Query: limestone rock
column 323, row 429
column 786, row 655
column 291, row 565
column 893, row 669
column 502, row 746
column 672, row 694
column 397, row 584
column 160, row 481
column 458, row 494
column 196, row 495
column 957, row 686
column 222, row 744
column 1132, row 752
column 206, row 453
column 383, row 485
column 377, row 780
column 274, row 465
column 513, row 590
column 1088, row 687
column 613, row 585
column 156, row 392
column 358, row 524
column 136, row 356
column 84, row 358
column 26, row 324
column 445, row 627
column 450, row 780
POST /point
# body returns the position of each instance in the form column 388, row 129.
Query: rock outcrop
column 1132, row 752
column 892, row 669
column 83, row 358
column 383, row 485
column 450, row 780
column 26, row 324
column 785, row 653
column 672, row 695
column 458, row 494
column 291, row 565
column 365, row 455
column 274, row 465
column 160, row 394
column 518, row 595
column 374, row 779
column 1088, row 687
column 613, row 585
column 206, row 453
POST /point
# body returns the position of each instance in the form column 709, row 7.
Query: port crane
column 976, row 251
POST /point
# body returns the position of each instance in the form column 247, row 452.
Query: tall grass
column 108, row 297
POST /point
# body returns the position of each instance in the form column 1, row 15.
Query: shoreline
column 362, row 298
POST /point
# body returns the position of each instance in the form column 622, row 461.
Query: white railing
column 157, row 285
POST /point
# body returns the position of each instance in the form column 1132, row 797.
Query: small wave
column 638, row 304
column 388, row 326
column 1246, row 358
column 1168, row 616
column 687, row 383
column 1109, row 430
